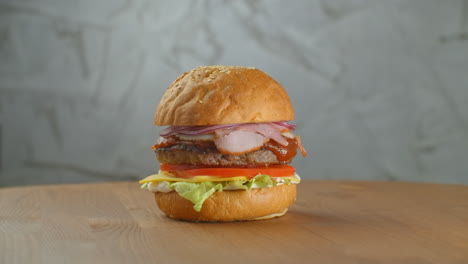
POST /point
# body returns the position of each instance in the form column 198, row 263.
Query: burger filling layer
column 200, row 160
column 200, row 188
column 204, row 153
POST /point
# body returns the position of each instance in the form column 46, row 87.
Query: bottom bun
column 226, row 206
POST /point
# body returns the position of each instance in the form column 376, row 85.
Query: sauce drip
column 282, row 153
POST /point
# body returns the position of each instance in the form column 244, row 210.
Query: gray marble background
column 380, row 87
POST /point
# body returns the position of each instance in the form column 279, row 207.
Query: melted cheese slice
column 166, row 176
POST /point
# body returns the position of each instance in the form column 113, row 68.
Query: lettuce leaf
column 235, row 185
column 198, row 192
column 261, row 181
column 145, row 185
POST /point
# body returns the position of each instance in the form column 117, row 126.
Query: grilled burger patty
column 172, row 150
column 196, row 155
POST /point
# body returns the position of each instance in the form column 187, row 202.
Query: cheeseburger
column 225, row 152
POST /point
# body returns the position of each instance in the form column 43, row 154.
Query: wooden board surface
column 331, row 222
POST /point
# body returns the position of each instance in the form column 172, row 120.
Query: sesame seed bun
column 215, row 95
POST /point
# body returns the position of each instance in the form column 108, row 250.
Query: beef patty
column 195, row 155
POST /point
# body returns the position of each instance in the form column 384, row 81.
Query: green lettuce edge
column 198, row 192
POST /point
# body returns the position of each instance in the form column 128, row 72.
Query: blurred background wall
column 380, row 88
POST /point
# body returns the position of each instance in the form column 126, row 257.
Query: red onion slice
column 192, row 130
column 285, row 124
column 198, row 130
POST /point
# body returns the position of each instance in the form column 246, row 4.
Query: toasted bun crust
column 211, row 95
column 226, row 206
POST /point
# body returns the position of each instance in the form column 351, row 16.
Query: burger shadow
column 299, row 217
column 295, row 225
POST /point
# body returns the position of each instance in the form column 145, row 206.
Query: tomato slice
column 188, row 171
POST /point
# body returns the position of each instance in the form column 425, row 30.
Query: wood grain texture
column 331, row 222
